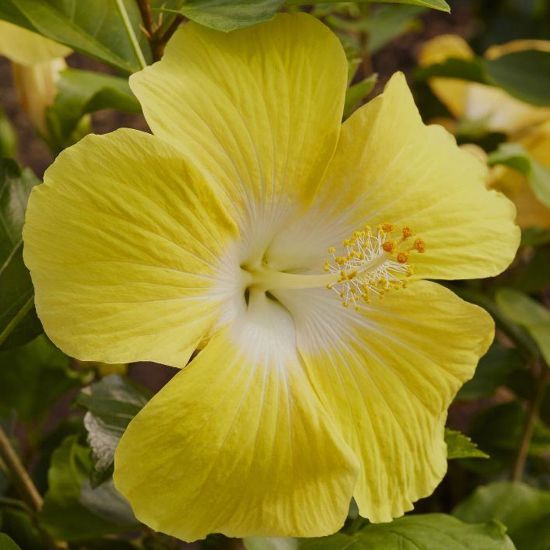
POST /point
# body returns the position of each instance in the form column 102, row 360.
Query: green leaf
column 529, row 314
column 463, row 69
column 418, row 532
column 492, row 372
column 18, row 322
column 7, row 543
column 358, row 92
column 228, row 15
column 94, row 28
column 524, row 74
column 72, row 509
column 83, row 92
column 515, row 156
column 439, row 5
column 523, row 509
column 33, row 377
column 389, row 22
column 111, row 404
column 19, row 523
column 461, row 446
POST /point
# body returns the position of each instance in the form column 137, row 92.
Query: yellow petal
column 237, row 443
column 389, row 373
column 391, row 168
column 26, row 47
column 499, row 111
column 36, row 87
column 124, row 246
column 259, row 108
column 452, row 92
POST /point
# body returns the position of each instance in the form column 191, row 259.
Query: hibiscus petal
column 28, row 48
column 124, row 246
column 389, row 373
column 238, row 443
column 259, row 109
column 391, row 168
column 452, row 92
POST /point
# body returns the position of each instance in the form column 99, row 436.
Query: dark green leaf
column 461, row 446
column 533, row 276
column 535, row 236
column 492, row 372
column 358, row 92
column 18, row 523
column 464, row 69
column 439, row 5
column 528, row 313
column 6, row 543
column 32, row 377
column 524, row 74
column 94, row 28
column 18, row 322
column 228, row 15
column 389, row 22
column 83, row 92
column 111, row 404
column 418, row 532
column 523, row 509
column 500, row 428
column 72, row 509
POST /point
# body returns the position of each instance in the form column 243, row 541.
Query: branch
column 159, row 42
column 146, row 16
column 532, row 417
column 21, row 479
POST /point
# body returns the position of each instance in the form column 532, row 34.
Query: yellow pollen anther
column 372, row 263
column 407, row 232
column 402, row 258
column 420, row 245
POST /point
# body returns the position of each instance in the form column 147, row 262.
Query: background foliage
column 60, row 420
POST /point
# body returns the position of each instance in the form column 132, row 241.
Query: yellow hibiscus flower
column 36, row 63
column 244, row 225
column 474, row 102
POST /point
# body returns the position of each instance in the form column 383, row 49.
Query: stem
column 131, row 34
column 532, row 416
column 146, row 16
column 158, row 43
column 21, row 479
column 25, row 486
column 25, row 308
